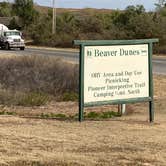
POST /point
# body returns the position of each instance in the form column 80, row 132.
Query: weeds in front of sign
column 90, row 115
column 52, row 116
column 102, row 115
column 7, row 113
column 70, row 96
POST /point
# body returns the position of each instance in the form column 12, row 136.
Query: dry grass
column 129, row 140
column 159, row 86
column 36, row 74
column 7, row 55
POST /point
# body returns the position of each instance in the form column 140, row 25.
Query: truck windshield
column 11, row 33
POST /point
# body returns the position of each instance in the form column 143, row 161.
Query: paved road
column 159, row 64
column 68, row 55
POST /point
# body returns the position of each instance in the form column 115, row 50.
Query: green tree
column 24, row 9
column 135, row 10
column 105, row 19
column 40, row 32
column 160, row 8
column 141, row 26
column 14, row 24
column 5, row 9
column 66, row 23
column 122, row 18
column 91, row 24
column 160, row 4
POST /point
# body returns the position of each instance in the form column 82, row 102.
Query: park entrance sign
column 115, row 72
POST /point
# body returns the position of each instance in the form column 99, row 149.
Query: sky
column 108, row 4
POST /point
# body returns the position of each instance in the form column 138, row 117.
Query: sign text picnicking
column 115, row 72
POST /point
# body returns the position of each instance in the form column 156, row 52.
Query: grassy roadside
column 50, row 142
column 36, row 80
column 41, row 82
column 69, row 109
column 52, row 136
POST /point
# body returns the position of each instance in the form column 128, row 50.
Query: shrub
column 70, row 96
column 101, row 115
column 8, row 97
column 92, row 115
column 52, row 115
column 33, row 80
column 38, row 74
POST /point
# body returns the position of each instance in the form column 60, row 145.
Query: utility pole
column 53, row 18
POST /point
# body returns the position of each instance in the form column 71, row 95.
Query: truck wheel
column 22, row 48
column 7, row 47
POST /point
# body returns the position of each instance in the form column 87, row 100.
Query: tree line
column 132, row 23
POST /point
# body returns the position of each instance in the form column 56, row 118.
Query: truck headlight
column 10, row 41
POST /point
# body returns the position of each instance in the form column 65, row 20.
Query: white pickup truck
column 10, row 38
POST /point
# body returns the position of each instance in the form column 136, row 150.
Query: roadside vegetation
column 132, row 23
column 34, row 80
column 89, row 115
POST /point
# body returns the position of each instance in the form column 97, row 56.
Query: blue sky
column 109, row 4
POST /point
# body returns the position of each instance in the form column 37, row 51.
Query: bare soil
column 129, row 140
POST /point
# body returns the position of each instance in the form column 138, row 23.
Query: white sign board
column 115, row 72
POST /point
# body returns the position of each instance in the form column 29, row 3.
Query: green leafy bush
column 101, row 115
column 70, row 96
column 52, row 115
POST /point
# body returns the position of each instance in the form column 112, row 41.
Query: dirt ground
column 128, row 141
